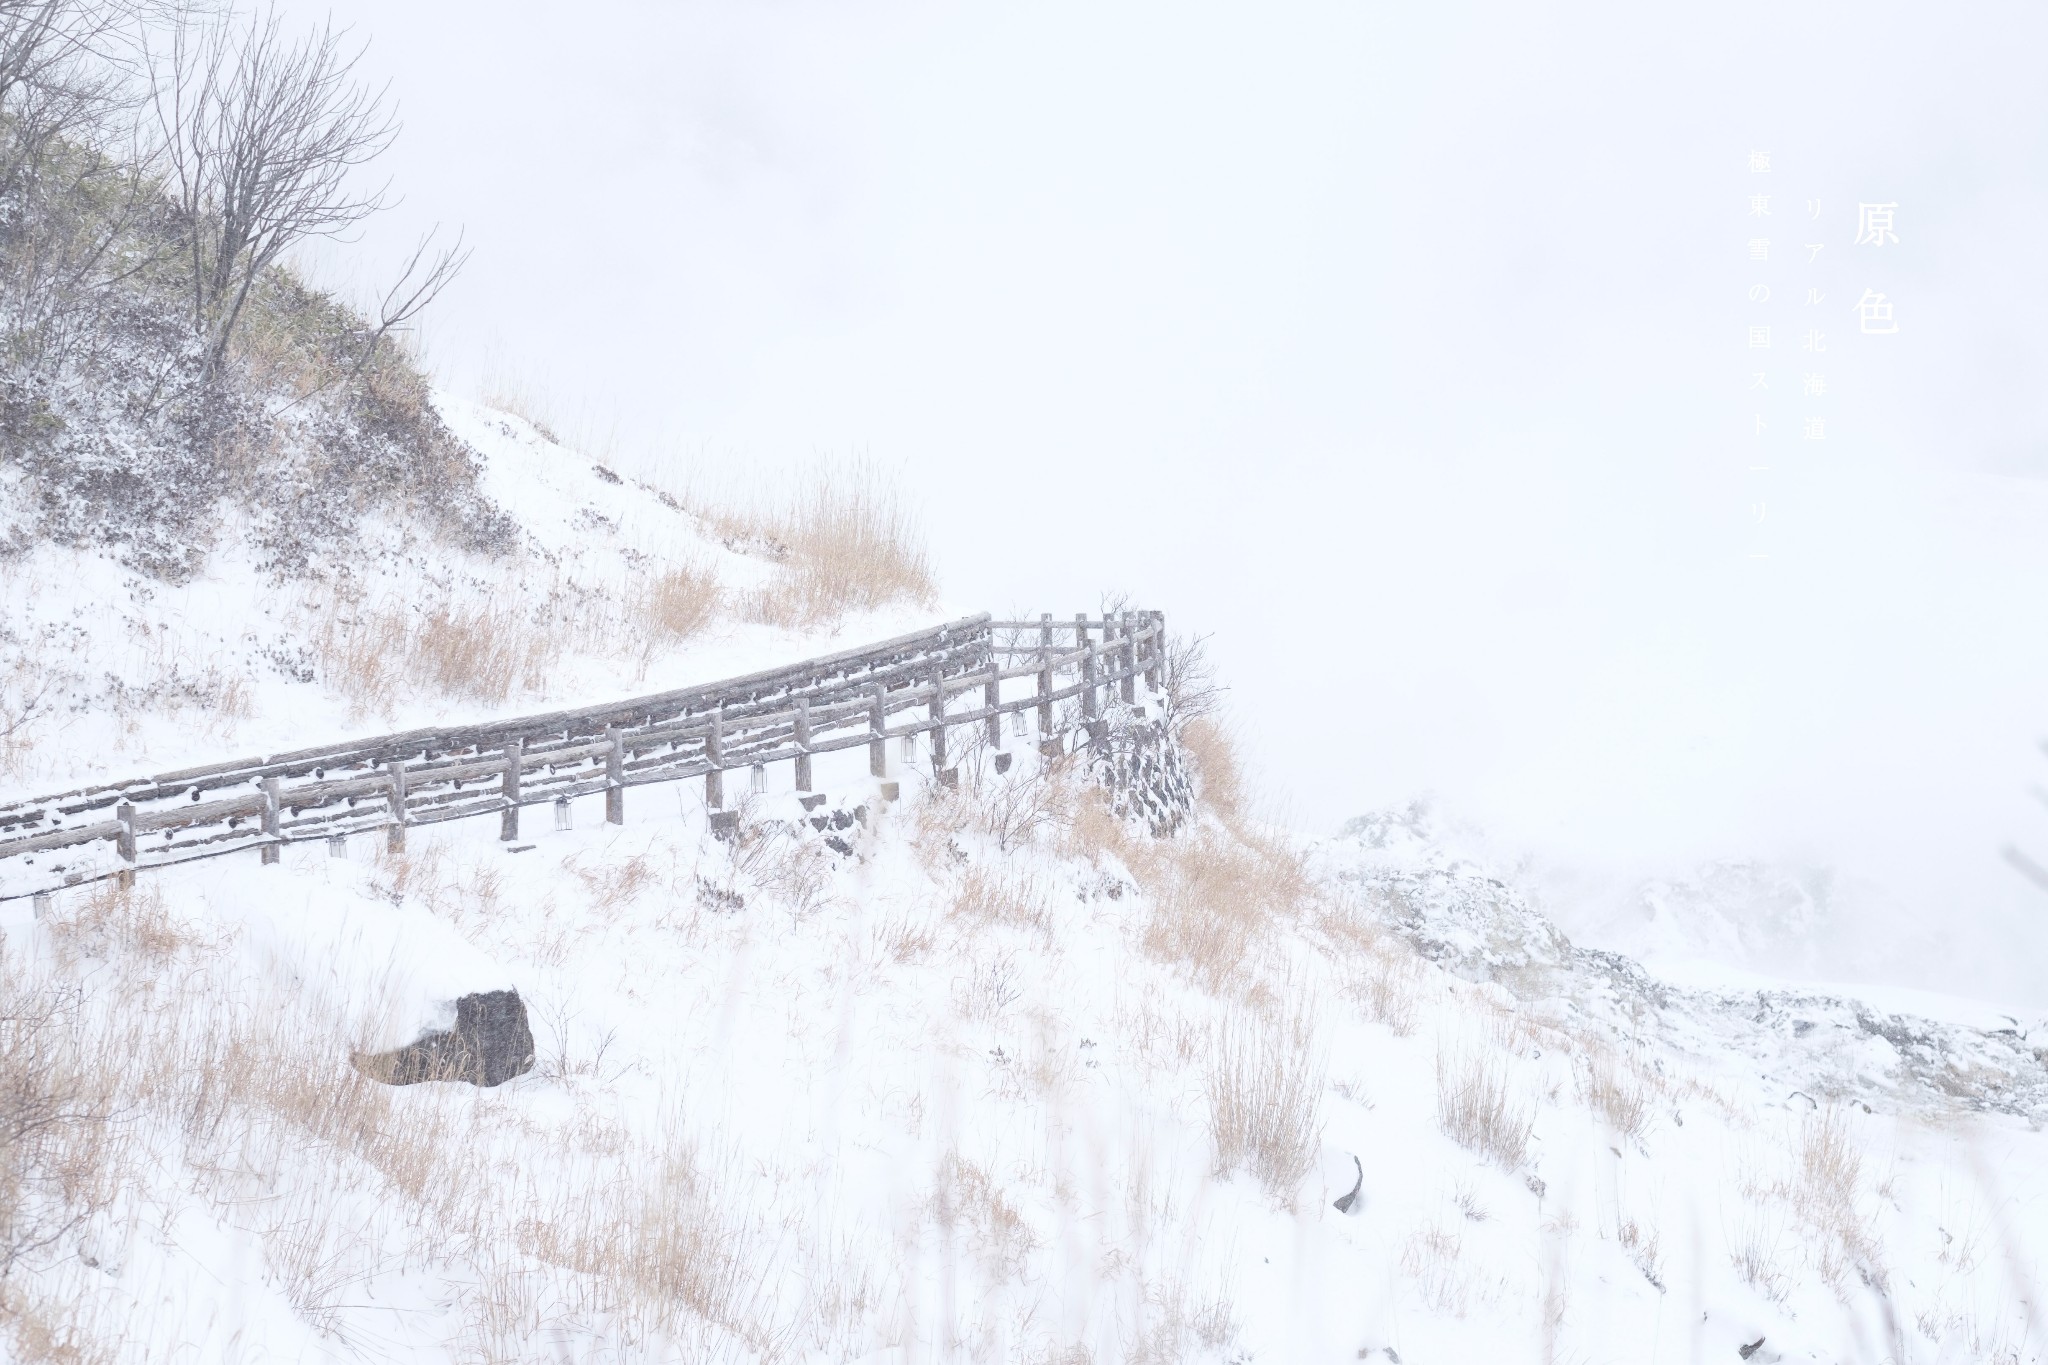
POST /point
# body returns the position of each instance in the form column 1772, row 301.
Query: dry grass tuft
column 1015, row 808
column 1755, row 1258
column 55, row 1104
column 658, row 1232
column 1476, row 1106
column 1432, row 1258
column 1021, row 900
column 1217, row 896
column 678, row 603
column 1639, row 1244
column 1381, row 972
column 991, row 987
column 107, row 918
column 1216, row 766
column 521, row 397
column 1389, row 990
column 1177, row 1328
column 1616, row 1089
column 904, row 937
column 1092, row 830
column 487, row 650
column 493, row 647
column 845, row 543
column 964, row 1196
column 1265, row 1089
column 1826, row 1194
column 613, row 882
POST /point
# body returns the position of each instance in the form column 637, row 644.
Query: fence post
column 615, row 777
column 124, row 842
column 1127, row 660
column 992, row 702
column 1090, row 706
column 394, row 836
column 714, row 754
column 938, row 713
column 878, row 733
column 272, row 818
column 508, row 821
column 803, row 744
column 1044, row 676
column 1156, row 650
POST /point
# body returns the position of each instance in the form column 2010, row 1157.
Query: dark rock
column 489, row 1045
column 1344, row 1204
column 1146, row 771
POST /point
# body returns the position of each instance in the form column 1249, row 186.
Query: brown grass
column 1476, row 1106
column 1220, row 774
column 1639, row 1244
column 106, row 919
column 492, row 648
column 523, row 398
column 1616, row 1089
column 845, row 543
column 1826, row 1194
column 1177, row 1328
column 1018, row 900
column 904, row 937
column 679, row 602
column 487, row 651
column 55, row 1105
column 965, row 1197
column 1217, row 897
column 1755, row 1259
column 1265, row 1088
column 248, row 1085
column 613, row 882
column 1379, row 970
column 1432, row 1257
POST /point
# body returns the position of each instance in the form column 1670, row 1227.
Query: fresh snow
column 899, row 1128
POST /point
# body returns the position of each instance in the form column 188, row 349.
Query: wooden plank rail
column 967, row 673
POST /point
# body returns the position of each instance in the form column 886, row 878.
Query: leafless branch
column 261, row 135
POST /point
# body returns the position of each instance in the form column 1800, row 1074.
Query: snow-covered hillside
column 975, row 1073
column 616, row 588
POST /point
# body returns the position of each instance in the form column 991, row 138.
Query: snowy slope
column 938, row 1092
column 119, row 672
column 967, row 1075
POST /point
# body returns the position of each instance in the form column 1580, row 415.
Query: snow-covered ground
column 111, row 672
column 989, row 1077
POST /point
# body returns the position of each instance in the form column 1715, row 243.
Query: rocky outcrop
column 1141, row 763
column 489, row 1045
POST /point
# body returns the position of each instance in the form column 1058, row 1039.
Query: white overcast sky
column 1401, row 347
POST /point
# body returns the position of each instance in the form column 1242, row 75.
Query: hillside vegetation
column 232, row 505
column 161, row 361
column 985, row 1074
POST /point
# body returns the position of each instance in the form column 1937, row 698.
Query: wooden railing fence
column 422, row 777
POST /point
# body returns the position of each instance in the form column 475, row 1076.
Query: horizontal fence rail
column 969, row 672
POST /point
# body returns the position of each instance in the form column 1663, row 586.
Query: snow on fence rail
column 422, row 777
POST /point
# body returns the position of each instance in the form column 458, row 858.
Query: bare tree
column 261, row 134
column 67, row 195
column 57, row 74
